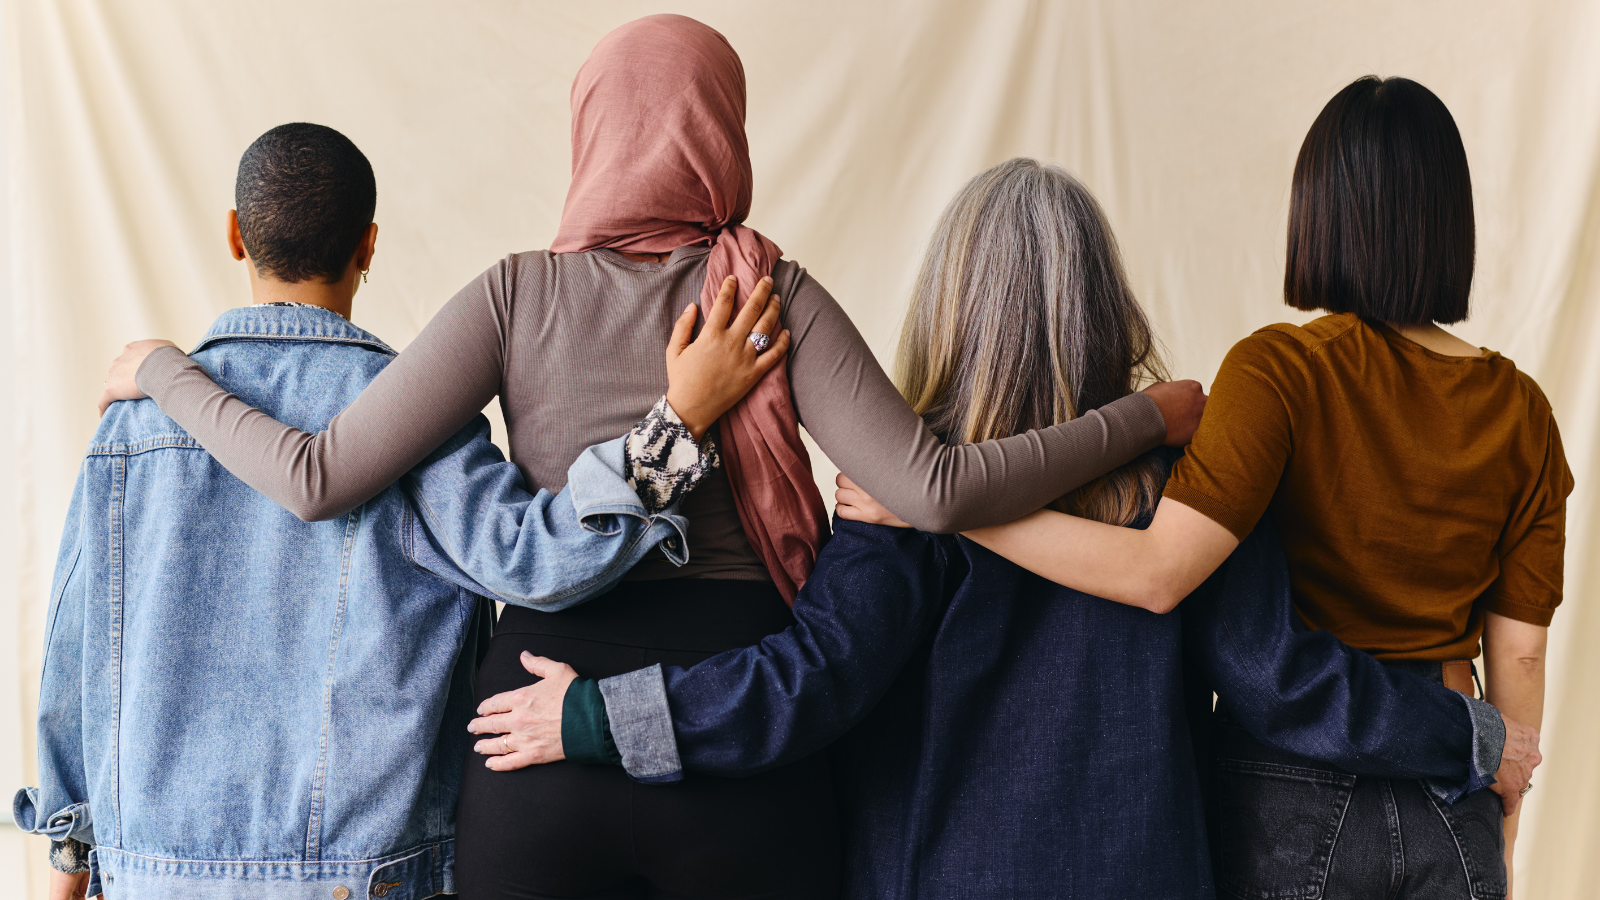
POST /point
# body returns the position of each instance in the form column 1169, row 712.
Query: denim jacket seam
column 55, row 601
column 313, row 843
column 224, row 337
column 119, row 481
column 159, row 442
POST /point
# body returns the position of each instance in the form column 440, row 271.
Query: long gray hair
column 1022, row 318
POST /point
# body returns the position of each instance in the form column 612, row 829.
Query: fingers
column 545, row 668
column 852, row 513
column 769, row 323
column 495, row 745
column 722, row 307
column 755, row 308
column 521, row 760
column 773, row 356
column 499, row 703
column 682, row 331
column 843, row 481
column 499, row 723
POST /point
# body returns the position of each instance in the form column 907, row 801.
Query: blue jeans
column 1283, row 826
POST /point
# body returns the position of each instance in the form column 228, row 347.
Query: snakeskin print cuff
column 69, row 856
column 664, row 461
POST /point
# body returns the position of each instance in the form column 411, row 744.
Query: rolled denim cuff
column 1488, row 742
column 585, row 733
column 73, row 821
column 641, row 725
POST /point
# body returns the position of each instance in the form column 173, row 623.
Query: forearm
column 1514, row 657
column 1153, row 568
column 862, row 613
column 862, row 423
column 447, row 375
column 539, row 550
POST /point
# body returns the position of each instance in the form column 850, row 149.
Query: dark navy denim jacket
column 236, row 703
column 861, row 614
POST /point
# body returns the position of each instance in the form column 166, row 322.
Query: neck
column 338, row 297
column 1436, row 339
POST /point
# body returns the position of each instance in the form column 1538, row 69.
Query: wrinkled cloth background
column 123, row 124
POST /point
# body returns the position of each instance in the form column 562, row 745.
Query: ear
column 235, row 239
column 367, row 247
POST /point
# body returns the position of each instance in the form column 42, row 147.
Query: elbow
column 932, row 518
column 1157, row 593
column 1161, row 602
column 310, row 511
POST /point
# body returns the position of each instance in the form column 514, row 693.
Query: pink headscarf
column 660, row 160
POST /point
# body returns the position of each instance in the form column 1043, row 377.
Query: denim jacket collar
column 288, row 323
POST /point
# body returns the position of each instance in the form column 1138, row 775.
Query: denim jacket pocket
column 1277, row 826
column 1477, row 824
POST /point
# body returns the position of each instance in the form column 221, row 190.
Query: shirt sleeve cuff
column 69, row 856
column 1213, row 509
column 664, row 460
column 1488, row 742
column 1141, row 417
column 641, row 725
column 1522, row 612
column 585, row 732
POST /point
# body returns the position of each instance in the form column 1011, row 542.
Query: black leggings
column 567, row 830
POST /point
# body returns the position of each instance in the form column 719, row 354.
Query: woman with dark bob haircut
column 1417, row 483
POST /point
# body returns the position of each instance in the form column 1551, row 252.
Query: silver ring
column 1525, row 789
column 761, row 341
column 505, row 741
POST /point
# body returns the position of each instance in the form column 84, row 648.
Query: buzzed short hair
column 305, row 196
column 1380, row 217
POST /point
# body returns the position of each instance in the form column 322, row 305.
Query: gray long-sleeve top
column 574, row 345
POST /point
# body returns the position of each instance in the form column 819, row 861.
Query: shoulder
column 1283, row 339
column 1286, row 354
column 137, row 426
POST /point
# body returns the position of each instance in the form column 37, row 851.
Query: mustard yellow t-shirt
column 1413, row 491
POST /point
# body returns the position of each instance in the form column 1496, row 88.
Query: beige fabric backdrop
column 124, row 122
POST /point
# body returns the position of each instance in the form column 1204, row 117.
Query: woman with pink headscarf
column 572, row 341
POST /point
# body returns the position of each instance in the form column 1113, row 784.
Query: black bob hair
column 1380, row 218
column 305, row 196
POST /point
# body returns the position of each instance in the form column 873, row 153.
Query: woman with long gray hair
column 982, row 698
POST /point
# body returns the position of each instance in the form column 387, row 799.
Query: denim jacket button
column 341, row 893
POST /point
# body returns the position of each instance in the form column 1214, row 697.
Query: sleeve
column 59, row 807
column 1305, row 692
column 1232, row 468
column 543, row 551
column 444, row 378
column 858, row 418
column 585, row 730
column 665, row 462
column 1533, row 546
column 865, row 609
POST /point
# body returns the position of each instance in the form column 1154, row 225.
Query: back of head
column 1380, row 218
column 305, row 196
column 1022, row 318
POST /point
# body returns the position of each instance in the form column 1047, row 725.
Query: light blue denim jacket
column 236, row 703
